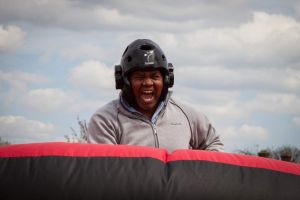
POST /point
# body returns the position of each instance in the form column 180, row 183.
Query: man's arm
column 103, row 126
column 212, row 141
column 204, row 135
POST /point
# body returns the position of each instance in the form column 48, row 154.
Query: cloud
column 246, row 131
column 275, row 103
column 78, row 15
column 297, row 8
column 50, row 100
column 218, row 77
column 268, row 39
column 11, row 37
column 18, row 129
column 16, row 90
column 14, row 84
column 93, row 75
column 291, row 80
column 173, row 10
column 240, row 137
column 296, row 121
column 230, row 106
column 194, row 95
column 221, row 106
column 84, row 50
column 116, row 15
column 20, row 79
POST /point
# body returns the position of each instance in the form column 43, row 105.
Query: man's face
column 147, row 87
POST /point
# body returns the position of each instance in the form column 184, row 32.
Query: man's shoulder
column 192, row 112
column 181, row 105
column 108, row 109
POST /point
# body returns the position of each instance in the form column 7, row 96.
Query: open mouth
column 147, row 96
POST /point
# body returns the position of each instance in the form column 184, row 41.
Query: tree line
column 286, row 153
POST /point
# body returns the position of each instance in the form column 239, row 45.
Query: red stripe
column 235, row 159
column 81, row 150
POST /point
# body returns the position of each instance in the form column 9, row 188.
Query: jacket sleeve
column 204, row 135
column 102, row 128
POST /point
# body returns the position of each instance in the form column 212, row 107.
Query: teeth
column 147, row 95
column 147, row 92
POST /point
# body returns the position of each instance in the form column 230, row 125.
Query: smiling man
column 145, row 114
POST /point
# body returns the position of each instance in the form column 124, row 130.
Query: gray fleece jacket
column 177, row 127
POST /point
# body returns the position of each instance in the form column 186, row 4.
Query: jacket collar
column 133, row 112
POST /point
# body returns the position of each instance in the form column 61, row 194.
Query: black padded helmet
column 143, row 54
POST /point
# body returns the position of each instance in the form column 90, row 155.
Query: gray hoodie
column 177, row 127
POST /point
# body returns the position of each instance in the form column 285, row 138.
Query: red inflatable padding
column 91, row 171
column 80, row 150
column 236, row 159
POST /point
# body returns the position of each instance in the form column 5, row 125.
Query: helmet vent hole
column 129, row 58
column 147, row 47
column 163, row 57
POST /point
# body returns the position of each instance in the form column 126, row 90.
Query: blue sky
column 237, row 61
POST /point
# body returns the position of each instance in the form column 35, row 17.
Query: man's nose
column 147, row 82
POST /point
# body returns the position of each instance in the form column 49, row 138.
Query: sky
column 237, row 61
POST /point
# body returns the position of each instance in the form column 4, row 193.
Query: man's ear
column 171, row 75
column 118, row 77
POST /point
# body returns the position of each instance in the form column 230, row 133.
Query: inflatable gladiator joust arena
column 94, row 171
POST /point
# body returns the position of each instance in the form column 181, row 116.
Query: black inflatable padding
column 94, row 171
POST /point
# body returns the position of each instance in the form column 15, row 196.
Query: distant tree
column 80, row 137
column 267, row 153
column 248, row 151
column 285, row 153
column 245, row 152
column 3, row 142
column 288, row 153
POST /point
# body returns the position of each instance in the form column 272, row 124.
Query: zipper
column 155, row 136
column 156, row 142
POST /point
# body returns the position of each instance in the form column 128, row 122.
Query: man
column 145, row 114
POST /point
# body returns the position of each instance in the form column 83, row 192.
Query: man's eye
column 156, row 77
column 139, row 77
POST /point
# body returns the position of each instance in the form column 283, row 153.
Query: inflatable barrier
column 91, row 171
